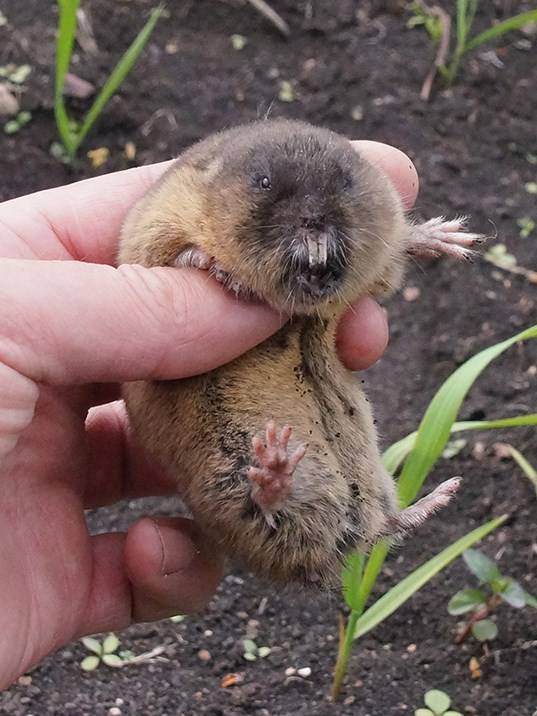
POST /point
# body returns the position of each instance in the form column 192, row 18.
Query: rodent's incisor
column 290, row 214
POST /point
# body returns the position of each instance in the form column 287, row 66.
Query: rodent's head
column 308, row 222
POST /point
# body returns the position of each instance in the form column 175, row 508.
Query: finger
column 362, row 335
column 64, row 223
column 119, row 467
column 395, row 164
column 66, row 322
column 160, row 568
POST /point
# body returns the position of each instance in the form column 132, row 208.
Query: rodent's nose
column 313, row 221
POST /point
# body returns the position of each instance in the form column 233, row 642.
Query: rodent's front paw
column 437, row 236
column 195, row 257
column 272, row 480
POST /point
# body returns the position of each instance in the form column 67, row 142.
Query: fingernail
column 178, row 551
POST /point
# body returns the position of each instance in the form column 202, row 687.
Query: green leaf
column 249, row 646
column 118, row 74
column 396, row 453
column 437, row 701
column 462, row 29
column 453, row 713
column 423, row 712
column 110, row 644
column 484, row 568
column 499, row 584
column 92, row 645
column 439, row 417
column 512, row 23
column 264, row 651
column 485, row 630
column 398, row 595
column 466, row 600
column 113, row 660
column 249, row 656
column 178, row 618
column 90, row 663
column 514, row 595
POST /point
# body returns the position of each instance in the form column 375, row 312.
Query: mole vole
column 290, row 214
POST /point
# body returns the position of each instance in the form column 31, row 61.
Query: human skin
column 72, row 328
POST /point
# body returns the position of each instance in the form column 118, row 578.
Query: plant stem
column 345, row 648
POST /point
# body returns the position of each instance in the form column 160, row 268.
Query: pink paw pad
column 272, row 479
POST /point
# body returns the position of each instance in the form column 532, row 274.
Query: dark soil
column 475, row 147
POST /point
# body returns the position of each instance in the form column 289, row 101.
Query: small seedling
column 252, row 652
column 437, row 703
column 526, row 225
column 480, row 603
column 287, row 92
column 73, row 134
column 18, row 122
column 238, row 42
column 453, row 448
column 178, row 618
column 17, row 74
column 501, row 258
column 450, row 54
column 105, row 652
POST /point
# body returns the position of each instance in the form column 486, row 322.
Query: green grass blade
column 435, row 427
column 396, row 453
column 525, row 466
column 118, row 74
column 512, row 23
column 398, row 595
column 352, row 576
column 64, row 49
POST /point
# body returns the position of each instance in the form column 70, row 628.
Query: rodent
column 291, row 214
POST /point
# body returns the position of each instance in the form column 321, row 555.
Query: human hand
column 72, row 329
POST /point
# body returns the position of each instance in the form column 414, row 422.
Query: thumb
column 169, row 567
column 68, row 322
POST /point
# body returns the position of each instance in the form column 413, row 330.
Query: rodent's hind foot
column 438, row 237
column 272, row 479
column 412, row 517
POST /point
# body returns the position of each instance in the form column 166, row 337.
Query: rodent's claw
column 272, row 480
column 193, row 257
column 437, row 236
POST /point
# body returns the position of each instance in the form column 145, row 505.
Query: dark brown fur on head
column 291, row 212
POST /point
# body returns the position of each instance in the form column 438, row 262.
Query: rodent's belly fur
column 202, row 429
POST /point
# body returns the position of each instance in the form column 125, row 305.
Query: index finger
column 83, row 220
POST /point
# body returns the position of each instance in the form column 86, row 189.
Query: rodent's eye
column 264, row 183
column 347, row 181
